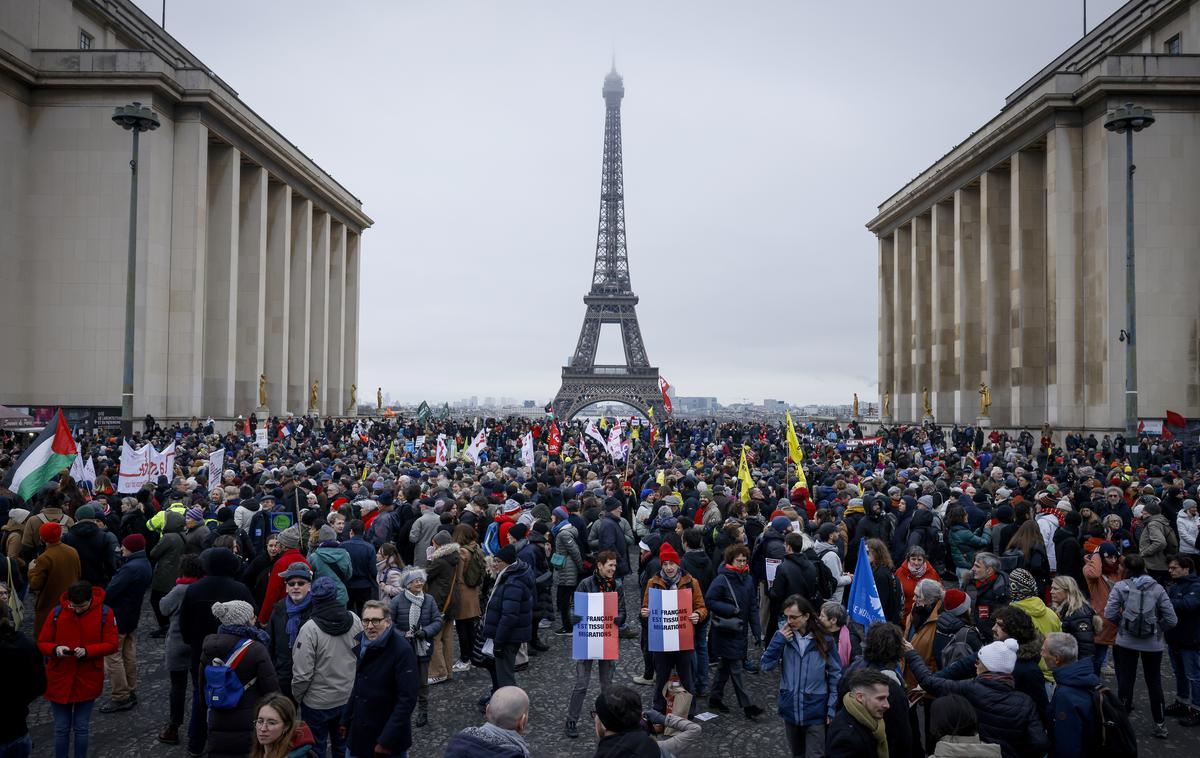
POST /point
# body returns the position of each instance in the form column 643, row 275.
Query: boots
column 422, row 715
column 538, row 645
column 1192, row 718
column 1176, row 709
column 572, row 729
column 169, row 735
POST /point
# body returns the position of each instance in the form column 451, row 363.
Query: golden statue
column 312, row 394
column 887, row 405
column 985, row 398
column 353, row 396
column 262, row 390
column 854, row 406
column 925, row 402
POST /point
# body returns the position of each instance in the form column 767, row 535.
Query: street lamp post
column 1126, row 120
column 136, row 118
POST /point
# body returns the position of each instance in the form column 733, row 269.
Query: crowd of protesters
column 318, row 597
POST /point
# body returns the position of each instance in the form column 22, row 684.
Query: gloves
column 419, row 634
column 654, row 717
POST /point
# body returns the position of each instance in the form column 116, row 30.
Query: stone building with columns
column 1003, row 263
column 248, row 253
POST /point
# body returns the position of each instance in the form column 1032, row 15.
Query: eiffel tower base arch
column 581, row 390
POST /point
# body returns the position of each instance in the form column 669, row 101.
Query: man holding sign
column 599, row 614
column 672, row 604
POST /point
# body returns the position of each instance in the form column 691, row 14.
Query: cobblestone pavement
column 548, row 680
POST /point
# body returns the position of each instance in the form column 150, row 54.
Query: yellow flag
column 794, row 450
column 364, row 473
column 391, row 453
column 661, row 476
column 744, row 477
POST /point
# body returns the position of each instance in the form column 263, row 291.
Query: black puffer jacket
column 231, row 731
column 1006, row 717
column 97, row 558
column 796, row 575
column 1081, row 626
column 508, row 618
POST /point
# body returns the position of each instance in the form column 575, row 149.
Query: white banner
column 216, row 468
column 420, row 440
column 527, row 449
column 84, row 473
column 614, row 446
column 477, row 445
column 593, row 432
column 440, row 460
column 260, row 438
column 144, row 465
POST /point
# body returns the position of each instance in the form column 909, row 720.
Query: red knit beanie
column 50, row 532
column 667, row 553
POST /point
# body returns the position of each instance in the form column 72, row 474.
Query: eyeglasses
column 298, row 584
column 267, row 723
column 374, row 622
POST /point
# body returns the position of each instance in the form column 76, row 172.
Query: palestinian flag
column 48, row 456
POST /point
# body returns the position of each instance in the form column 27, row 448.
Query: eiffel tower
column 611, row 299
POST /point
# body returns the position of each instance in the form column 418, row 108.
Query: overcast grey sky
column 759, row 137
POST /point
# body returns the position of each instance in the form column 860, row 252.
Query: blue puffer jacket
column 1185, row 599
column 1072, row 710
column 808, row 685
column 508, row 618
column 733, row 594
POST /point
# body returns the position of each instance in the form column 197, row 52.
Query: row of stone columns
column 967, row 297
column 273, row 290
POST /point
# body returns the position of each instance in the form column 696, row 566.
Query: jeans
column 681, row 662
column 1099, row 658
column 324, row 723
column 72, row 717
column 1125, row 661
column 1186, row 665
column 583, row 675
column 22, row 747
column 700, row 674
column 730, row 668
column 805, row 741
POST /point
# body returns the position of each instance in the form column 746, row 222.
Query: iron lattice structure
column 611, row 299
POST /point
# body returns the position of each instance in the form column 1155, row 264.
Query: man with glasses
column 1183, row 640
column 288, row 615
column 377, row 720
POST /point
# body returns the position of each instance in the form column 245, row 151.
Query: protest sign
column 216, row 468
column 670, row 629
column 595, row 636
column 772, row 566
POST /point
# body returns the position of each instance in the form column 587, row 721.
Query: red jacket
column 70, row 679
column 275, row 588
column 505, row 523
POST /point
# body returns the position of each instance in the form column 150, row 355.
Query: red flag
column 663, row 387
column 1167, row 435
column 246, row 427
column 1174, row 419
column 554, row 443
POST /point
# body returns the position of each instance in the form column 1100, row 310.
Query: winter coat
column 733, row 595
column 987, row 598
column 323, row 657
column 1156, row 541
column 508, row 618
column 421, row 535
column 486, row 741
column 921, row 631
column 178, row 654
column 1006, row 717
column 167, row 554
column 384, row 694
column 566, row 543
column 610, row 536
column 281, row 651
column 196, row 620
column 1081, row 626
column 634, row 744
column 908, row 582
column 429, row 621
column 445, row 578
column 126, row 590
column 1187, row 527
column 49, row 576
column 900, row 721
column 473, row 565
column 333, row 562
column 965, row 747
column 594, row 583
column 1029, row 673
column 1072, row 710
column 964, row 544
column 686, row 582
column 699, row 565
column 275, row 585
column 845, row 737
column 1185, row 599
column 196, row 539
column 770, row 545
column 1099, row 587
column 97, row 555
column 796, row 575
column 25, row 674
column 808, row 683
column 362, row 563
column 231, row 730
column 950, row 627
column 70, row 679
column 1157, row 600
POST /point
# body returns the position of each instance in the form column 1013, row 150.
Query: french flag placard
column 669, row 626
column 595, row 636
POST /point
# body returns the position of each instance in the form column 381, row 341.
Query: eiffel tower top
column 610, row 274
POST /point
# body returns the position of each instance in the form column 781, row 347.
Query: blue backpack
column 223, row 689
column 491, row 539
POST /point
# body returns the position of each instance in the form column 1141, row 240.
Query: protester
column 166, row 556
column 568, row 563
column 1075, row 614
column 988, row 591
column 1183, row 640
column 508, row 616
column 178, row 654
column 76, row 637
column 1071, row 724
column 1101, row 570
column 290, row 613
column 671, row 577
column 858, row 728
column 415, row 615
column 242, row 647
column 125, row 593
column 376, row 718
column 732, row 604
column 467, row 610
column 618, row 723
column 97, row 547
column 289, row 540
column 444, row 578
column 810, row 669
column 25, row 671
column 500, row 736
column 1140, row 608
column 322, row 666
column 279, row 734
column 602, row 580
column 52, row 572
column 955, row 727
column 883, row 651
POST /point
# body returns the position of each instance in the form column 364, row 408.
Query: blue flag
column 865, row 606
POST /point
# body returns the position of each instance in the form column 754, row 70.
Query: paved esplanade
column 548, row 682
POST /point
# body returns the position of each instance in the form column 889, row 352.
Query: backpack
column 15, row 606
column 1011, row 560
column 58, row 610
column 958, row 648
column 826, row 582
column 491, row 538
column 1139, row 617
column 1116, row 738
column 474, row 571
column 223, row 689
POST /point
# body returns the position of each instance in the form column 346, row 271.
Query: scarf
column 875, row 726
column 605, row 585
column 741, row 570
column 294, row 610
column 558, row 527
column 672, row 582
column 245, row 630
column 187, row 580
column 416, row 602
column 379, row 641
column 914, row 572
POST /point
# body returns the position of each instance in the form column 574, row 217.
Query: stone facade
column 248, row 253
column 1004, row 262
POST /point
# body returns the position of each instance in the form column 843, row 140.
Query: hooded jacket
column 168, row 553
column 231, row 731
column 333, row 562
column 323, row 656
column 1157, row 603
column 487, row 741
column 441, row 583
column 97, row 556
column 220, row 584
column 808, row 685
column 421, row 534
column 1072, row 711
column 70, row 679
column 1155, row 541
column 1185, row 599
